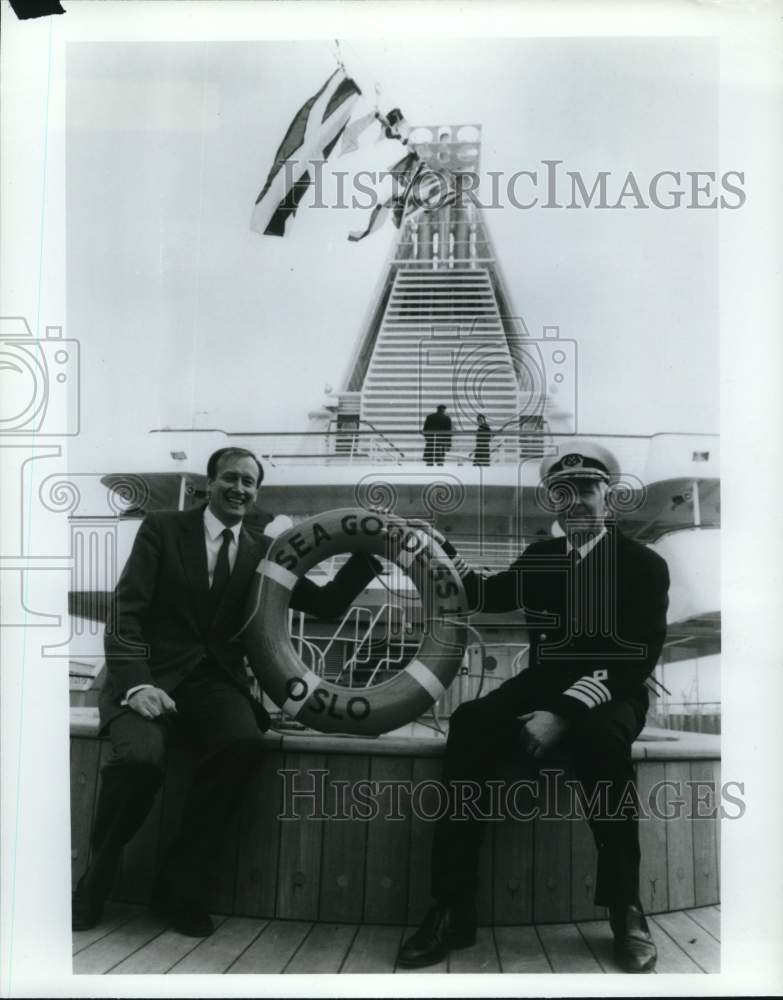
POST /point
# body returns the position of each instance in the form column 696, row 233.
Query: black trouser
column 219, row 722
column 435, row 448
column 485, row 735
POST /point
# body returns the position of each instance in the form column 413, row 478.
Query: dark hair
column 441, row 406
column 217, row 457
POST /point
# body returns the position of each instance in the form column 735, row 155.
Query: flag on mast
column 430, row 189
column 311, row 136
column 394, row 126
column 402, row 174
column 418, row 188
column 350, row 140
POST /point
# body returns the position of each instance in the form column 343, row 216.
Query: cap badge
column 572, row 461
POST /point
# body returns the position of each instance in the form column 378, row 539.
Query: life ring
column 323, row 704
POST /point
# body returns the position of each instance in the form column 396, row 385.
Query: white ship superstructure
column 442, row 329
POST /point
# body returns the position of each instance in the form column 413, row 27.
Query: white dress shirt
column 588, row 545
column 213, row 539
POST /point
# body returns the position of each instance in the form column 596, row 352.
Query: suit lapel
column 193, row 552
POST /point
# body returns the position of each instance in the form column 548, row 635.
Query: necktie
column 221, row 574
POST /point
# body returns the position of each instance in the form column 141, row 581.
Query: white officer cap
column 579, row 458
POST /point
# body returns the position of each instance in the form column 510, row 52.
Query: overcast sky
column 187, row 317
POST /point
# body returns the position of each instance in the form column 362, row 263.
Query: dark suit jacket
column 437, row 428
column 160, row 627
column 605, row 614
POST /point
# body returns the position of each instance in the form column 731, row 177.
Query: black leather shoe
column 634, row 948
column 86, row 911
column 187, row 918
column 443, row 928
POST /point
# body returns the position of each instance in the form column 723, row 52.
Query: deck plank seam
column 321, row 849
column 543, row 948
column 404, row 930
column 196, row 943
column 356, row 929
column 693, row 841
column 279, row 836
column 691, row 957
column 400, row 938
column 409, row 821
column 701, row 926
column 590, row 948
column 570, row 827
column 533, row 900
column 410, row 855
column 220, row 919
column 250, row 943
column 348, row 949
column 143, row 944
column 279, row 833
column 497, row 950
column 366, row 827
column 296, row 950
column 666, row 850
column 110, row 929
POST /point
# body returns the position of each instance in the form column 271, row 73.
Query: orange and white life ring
column 323, row 704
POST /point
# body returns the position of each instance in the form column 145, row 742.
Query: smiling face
column 587, row 512
column 234, row 489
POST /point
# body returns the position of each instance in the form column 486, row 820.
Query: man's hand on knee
column 151, row 702
column 541, row 731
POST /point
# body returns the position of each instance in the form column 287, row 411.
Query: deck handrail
column 383, row 436
column 352, row 660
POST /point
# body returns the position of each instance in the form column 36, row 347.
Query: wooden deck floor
column 132, row 940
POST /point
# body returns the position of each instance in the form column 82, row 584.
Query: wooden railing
column 377, row 870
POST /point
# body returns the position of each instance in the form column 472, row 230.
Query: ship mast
column 441, row 328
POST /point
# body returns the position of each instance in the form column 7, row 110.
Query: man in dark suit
column 173, row 658
column 437, row 436
column 596, row 608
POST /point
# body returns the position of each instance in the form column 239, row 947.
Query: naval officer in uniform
column 596, row 602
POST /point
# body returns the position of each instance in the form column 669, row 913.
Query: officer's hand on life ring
column 395, row 529
column 314, row 699
column 541, row 731
column 151, row 703
column 424, row 529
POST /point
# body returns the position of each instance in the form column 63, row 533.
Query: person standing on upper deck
column 483, row 438
column 437, row 436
